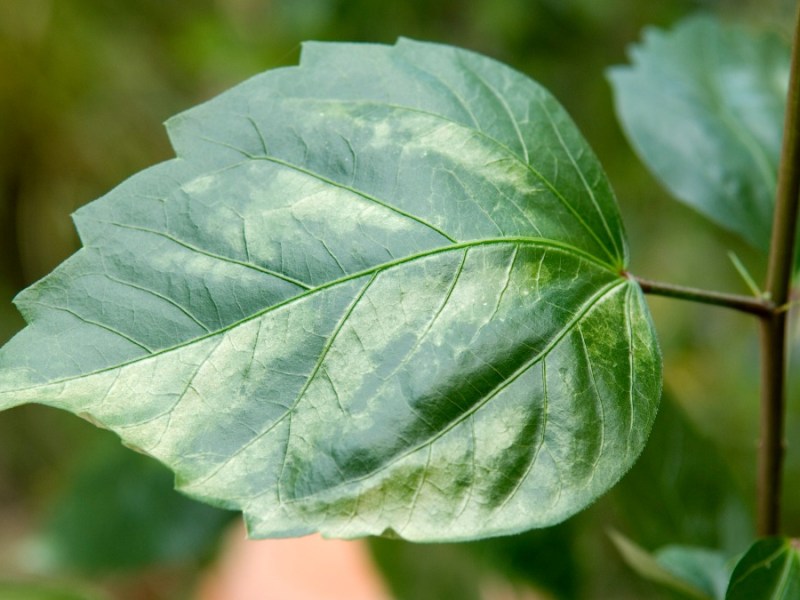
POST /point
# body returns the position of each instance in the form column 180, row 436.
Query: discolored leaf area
column 382, row 292
column 703, row 106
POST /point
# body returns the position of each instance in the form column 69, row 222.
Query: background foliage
column 86, row 85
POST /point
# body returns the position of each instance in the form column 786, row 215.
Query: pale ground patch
column 311, row 568
column 307, row 568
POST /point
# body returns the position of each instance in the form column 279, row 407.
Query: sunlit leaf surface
column 381, row 292
column 703, row 106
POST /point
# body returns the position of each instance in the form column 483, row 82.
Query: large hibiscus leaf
column 382, row 291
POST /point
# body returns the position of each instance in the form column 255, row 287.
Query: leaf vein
column 538, row 174
column 598, row 297
column 88, row 321
column 534, row 242
column 502, row 103
column 159, row 295
column 585, row 183
column 220, row 257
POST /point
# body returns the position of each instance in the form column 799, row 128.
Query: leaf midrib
column 540, row 242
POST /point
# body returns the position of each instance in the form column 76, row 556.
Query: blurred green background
column 84, row 88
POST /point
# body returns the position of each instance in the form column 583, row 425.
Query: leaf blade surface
column 703, row 107
column 357, row 308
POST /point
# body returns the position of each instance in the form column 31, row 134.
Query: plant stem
column 773, row 325
column 749, row 304
column 771, row 308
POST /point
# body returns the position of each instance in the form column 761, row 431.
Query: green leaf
column 381, row 292
column 770, row 570
column 703, row 106
column 650, row 568
column 706, row 569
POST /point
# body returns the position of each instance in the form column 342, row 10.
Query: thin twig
column 748, row 304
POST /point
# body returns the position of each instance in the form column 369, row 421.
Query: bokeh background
column 84, row 88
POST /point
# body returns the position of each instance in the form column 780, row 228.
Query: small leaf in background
column 380, row 292
column 707, row 570
column 703, row 106
column 770, row 570
column 120, row 512
column 651, row 568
